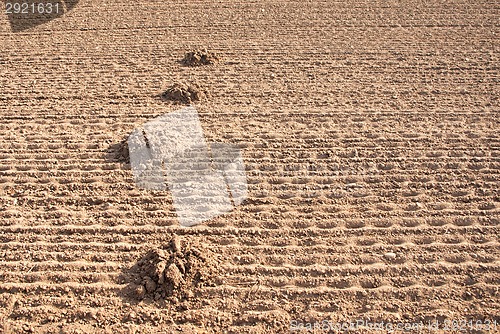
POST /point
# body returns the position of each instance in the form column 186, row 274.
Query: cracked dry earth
column 370, row 134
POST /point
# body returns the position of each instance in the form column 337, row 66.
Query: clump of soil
column 176, row 270
column 183, row 93
column 119, row 152
column 199, row 58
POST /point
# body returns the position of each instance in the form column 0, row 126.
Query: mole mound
column 199, row 58
column 119, row 152
column 183, row 93
column 176, row 270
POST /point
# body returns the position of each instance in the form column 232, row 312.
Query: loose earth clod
column 119, row 152
column 199, row 58
column 175, row 270
column 184, row 93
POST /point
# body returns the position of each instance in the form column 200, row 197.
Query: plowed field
column 371, row 138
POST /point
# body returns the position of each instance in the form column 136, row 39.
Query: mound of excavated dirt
column 184, row 93
column 119, row 152
column 174, row 271
column 199, row 58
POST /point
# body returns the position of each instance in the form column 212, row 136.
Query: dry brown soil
column 370, row 134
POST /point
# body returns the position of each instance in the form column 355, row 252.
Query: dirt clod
column 119, row 152
column 140, row 291
column 176, row 270
column 199, row 58
column 184, row 93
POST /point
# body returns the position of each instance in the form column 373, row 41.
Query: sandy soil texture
column 371, row 136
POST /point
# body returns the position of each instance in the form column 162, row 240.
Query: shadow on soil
column 118, row 152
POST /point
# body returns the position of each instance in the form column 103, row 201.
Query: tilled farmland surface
column 371, row 138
